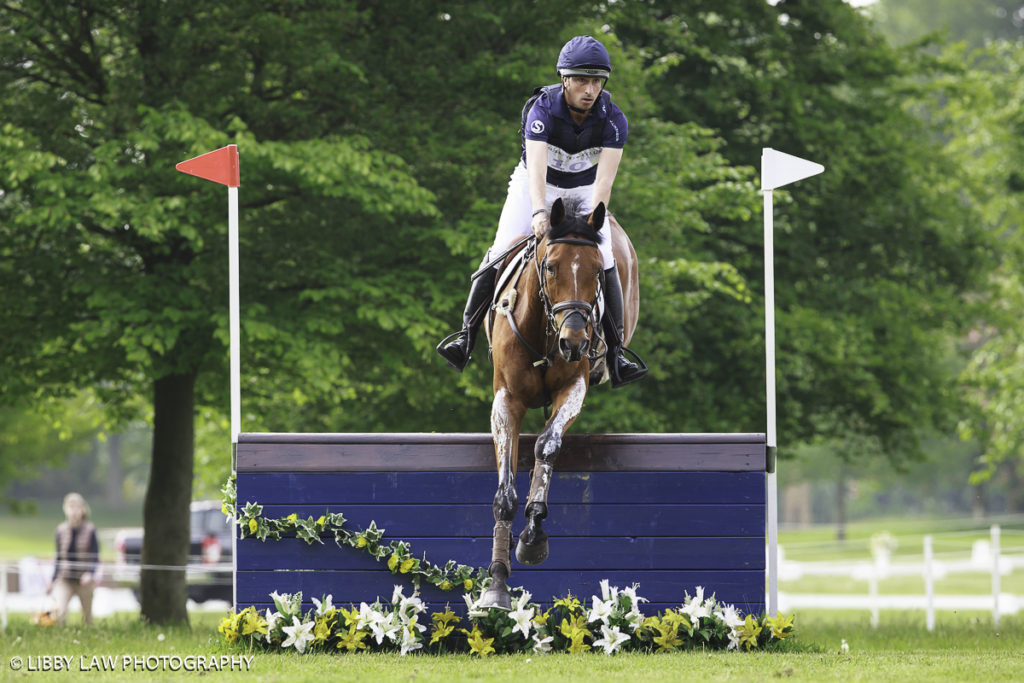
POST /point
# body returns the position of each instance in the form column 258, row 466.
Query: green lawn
column 964, row 647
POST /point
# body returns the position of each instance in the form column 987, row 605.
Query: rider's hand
column 540, row 224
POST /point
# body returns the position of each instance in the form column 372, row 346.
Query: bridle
column 586, row 310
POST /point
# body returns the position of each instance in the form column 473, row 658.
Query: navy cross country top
column 573, row 149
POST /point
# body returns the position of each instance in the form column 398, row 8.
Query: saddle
column 506, row 293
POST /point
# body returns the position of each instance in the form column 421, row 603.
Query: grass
column 963, row 647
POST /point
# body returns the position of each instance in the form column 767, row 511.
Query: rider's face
column 582, row 91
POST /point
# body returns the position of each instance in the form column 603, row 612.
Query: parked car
column 209, row 571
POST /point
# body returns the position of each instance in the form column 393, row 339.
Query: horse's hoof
column 496, row 597
column 532, row 554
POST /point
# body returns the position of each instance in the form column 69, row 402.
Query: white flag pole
column 777, row 169
column 771, row 437
column 233, row 316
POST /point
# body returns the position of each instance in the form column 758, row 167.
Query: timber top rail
column 474, row 452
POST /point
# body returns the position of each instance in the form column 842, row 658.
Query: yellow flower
column 781, row 626
column 441, row 631
column 393, row 562
column 749, row 632
column 569, row 602
column 542, row 618
column 446, row 617
column 252, row 622
column 351, row 616
column 676, row 619
column 353, row 640
column 478, row 645
column 444, row 624
column 253, row 525
column 668, row 640
column 575, row 629
column 322, row 629
column 361, row 542
column 407, row 565
column 468, row 584
column 229, row 627
column 445, row 585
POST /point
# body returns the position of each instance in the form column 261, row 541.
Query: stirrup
column 613, row 371
column 455, row 362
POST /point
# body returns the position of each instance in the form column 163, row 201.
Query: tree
column 873, row 262
column 113, row 275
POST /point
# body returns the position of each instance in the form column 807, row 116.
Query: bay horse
column 546, row 344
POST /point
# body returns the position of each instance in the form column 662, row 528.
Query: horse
column 546, row 346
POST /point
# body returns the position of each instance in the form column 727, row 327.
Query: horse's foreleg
column 506, row 418
column 533, row 542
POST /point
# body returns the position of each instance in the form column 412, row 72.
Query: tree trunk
column 165, row 513
column 115, row 482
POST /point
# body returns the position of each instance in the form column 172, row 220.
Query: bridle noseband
column 583, row 309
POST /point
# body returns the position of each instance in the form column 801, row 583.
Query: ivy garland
column 250, row 520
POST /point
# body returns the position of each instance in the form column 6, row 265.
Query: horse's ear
column 596, row 219
column 557, row 212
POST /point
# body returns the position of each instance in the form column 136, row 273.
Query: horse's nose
column 573, row 351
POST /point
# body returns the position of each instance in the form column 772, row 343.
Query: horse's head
column 570, row 268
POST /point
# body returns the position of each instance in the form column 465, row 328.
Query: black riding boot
column 621, row 369
column 455, row 348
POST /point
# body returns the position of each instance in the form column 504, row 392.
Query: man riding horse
column 572, row 141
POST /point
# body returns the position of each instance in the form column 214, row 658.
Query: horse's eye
column 549, row 269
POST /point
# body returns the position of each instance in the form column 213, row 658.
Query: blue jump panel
column 667, row 530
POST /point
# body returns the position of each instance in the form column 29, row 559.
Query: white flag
column 779, row 168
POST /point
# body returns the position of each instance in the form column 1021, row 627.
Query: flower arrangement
column 613, row 623
column 610, row 623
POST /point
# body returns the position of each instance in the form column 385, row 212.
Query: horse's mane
column 574, row 223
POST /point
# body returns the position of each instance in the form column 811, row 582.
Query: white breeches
column 517, row 215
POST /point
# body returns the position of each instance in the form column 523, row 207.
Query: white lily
column 409, row 640
column 473, row 606
column 608, row 592
column 523, row 599
column 612, row 639
column 730, row 615
column 734, row 640
column 323, row 607
column 601, row 611
column 298, row 634
column 523, row 617
column 542, row 645
column 272, row 619
column 696, row 609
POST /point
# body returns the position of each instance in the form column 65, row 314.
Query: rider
column 572, row 141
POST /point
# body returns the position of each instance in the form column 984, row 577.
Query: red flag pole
column 221, row 166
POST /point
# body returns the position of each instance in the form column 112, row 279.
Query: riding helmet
column 584, row 56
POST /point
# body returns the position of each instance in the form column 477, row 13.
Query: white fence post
column 929, row 584
column 873, row 593
column 996, row 588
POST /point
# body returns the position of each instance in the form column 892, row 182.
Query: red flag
column 220, row 166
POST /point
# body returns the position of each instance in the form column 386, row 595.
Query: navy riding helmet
column 584, row 56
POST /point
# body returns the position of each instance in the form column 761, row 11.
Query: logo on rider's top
column 537, row 127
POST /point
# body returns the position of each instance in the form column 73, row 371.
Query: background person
column 78, row 554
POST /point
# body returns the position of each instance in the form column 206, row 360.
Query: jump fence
column 667, row 511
